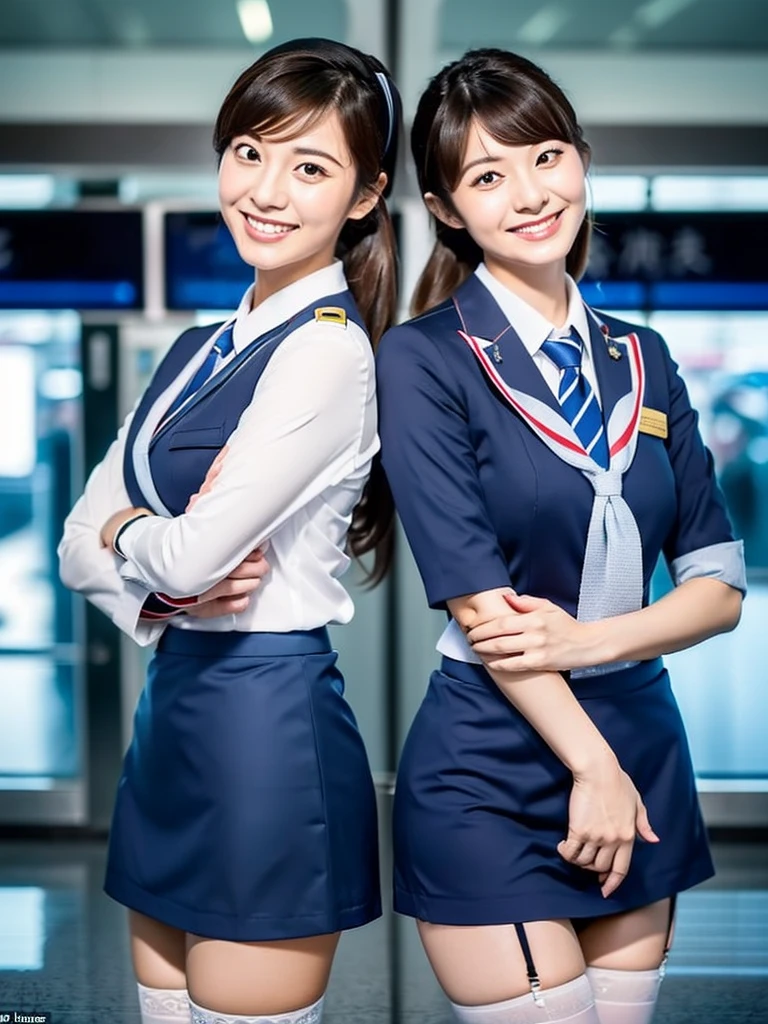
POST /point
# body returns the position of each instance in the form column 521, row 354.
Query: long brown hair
column 518, row 104
column 288, row 90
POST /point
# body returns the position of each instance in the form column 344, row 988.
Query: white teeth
column 268, row 229
column 536, row 229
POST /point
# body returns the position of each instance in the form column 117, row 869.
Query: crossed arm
column 228, row 597
column 532, row 634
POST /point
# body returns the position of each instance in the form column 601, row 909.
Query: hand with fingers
column 605, row 816
column 536, row 635
column 233, row 594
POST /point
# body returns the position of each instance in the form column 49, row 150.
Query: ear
column 438, row 209
column 369, row 199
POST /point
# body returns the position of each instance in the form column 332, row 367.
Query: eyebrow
column 480, row 160
column 301, row 151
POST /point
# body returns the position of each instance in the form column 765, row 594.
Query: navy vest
column 182, row 451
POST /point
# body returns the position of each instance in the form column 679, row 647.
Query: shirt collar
column 282, row 305
column 533, row 328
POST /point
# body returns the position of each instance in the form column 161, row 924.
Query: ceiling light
column 255, row 19
column 544, row 25
column 659, row 12
column 26, row 191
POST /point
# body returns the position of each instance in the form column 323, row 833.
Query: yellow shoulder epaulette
column 331, row 315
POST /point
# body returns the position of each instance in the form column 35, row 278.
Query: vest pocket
column 203, row 437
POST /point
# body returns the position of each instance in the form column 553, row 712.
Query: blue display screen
column 71, row 259
column 678, row 261
column 203, row 269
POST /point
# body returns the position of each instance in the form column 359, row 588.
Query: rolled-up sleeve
column 432, row 470
column 701, row 542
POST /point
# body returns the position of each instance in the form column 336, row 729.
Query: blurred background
column 110, row 245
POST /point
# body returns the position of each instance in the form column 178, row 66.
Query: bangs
column 280, row 124
column 513, row 112
column 279, row 103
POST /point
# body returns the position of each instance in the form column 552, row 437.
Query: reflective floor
column 64, row 950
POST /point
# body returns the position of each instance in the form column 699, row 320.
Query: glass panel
column 719, row 684
column 618, row 192
column 705, row 192
column 40, row 386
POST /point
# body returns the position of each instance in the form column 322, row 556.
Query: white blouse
column 295, row 468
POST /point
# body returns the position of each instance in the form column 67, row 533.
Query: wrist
column 125, row 526
column 597, row 644
column 594, row 762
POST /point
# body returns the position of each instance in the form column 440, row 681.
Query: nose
column 268, row 189
column 527, row 191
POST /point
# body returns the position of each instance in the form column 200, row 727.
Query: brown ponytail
column 371, row 269
column 453, row 258
column 368, row 250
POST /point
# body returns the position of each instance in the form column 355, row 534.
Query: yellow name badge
column 653, row 422
column 331, row 315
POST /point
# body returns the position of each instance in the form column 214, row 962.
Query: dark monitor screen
column 71, row 259
column 203, row 269
column 678, row 261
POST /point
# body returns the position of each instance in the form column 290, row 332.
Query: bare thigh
column 633, row 941
column 158, row 952
column 245, row 978
column 485, row 964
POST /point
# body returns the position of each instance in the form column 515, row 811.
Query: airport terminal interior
column 111, row 244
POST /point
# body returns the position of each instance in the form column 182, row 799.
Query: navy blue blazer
column 484, row 502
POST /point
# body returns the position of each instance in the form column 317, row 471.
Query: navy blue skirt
column 481, row 803
column 246, row 808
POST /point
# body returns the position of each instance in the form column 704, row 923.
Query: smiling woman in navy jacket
column 244, row 833
column 542, row 456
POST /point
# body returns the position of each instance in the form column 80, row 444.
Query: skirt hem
column 237, row 929
column 545, row 906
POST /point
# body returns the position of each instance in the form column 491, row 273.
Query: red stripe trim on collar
column 637, row 362
column 502, row 387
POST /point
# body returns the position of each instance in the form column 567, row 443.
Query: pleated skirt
column 481, row 803
column 246, row 809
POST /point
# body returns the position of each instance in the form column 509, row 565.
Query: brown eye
column 486, row 178
column 246, row 152
column 312, row 171
column 549, row 156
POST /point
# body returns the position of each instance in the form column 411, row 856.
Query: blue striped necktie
column 577, row 399
column 219, row 350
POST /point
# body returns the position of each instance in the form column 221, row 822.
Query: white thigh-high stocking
column 572, row 1002
column 163, row 1005
column 624, row 997
column 309, row 1015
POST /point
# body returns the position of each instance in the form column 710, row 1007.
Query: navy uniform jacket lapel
column 613, row 375
column 484, row 319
